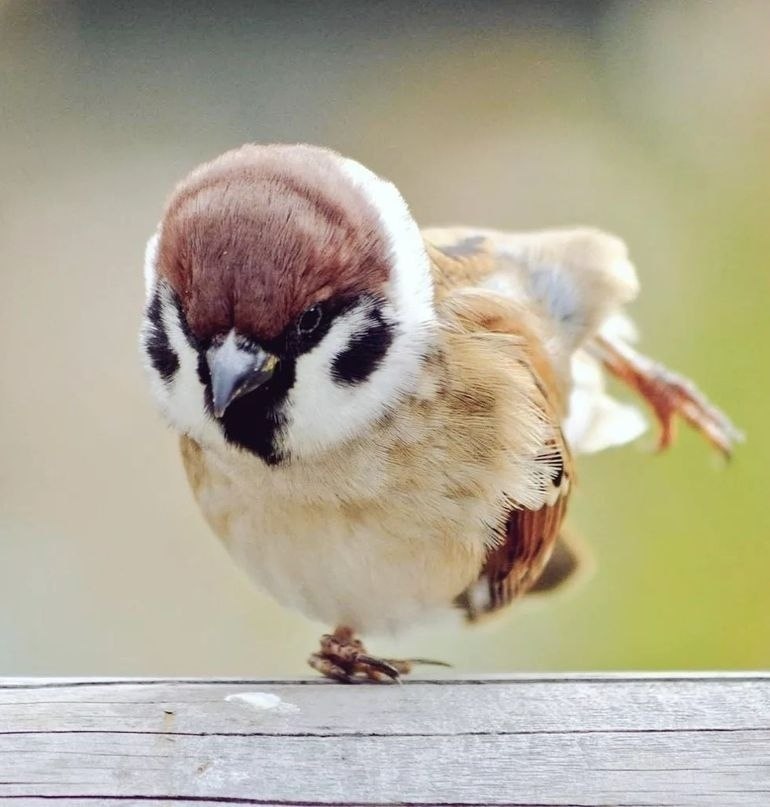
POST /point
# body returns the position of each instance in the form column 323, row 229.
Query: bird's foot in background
column 669, row 395
column 343, row 657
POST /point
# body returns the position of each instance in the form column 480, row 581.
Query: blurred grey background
column 650, row 119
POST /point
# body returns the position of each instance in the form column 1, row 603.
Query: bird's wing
column 575, row 279
column 514, row 567
column 575, row 283
column 516, row 561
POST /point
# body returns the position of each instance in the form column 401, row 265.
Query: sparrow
column 379, row 422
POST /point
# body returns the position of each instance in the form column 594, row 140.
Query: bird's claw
column 343, row 658
column 669, row 395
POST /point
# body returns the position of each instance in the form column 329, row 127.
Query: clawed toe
column 342, row 657
column 372, row 663
column 669, row 394
column 327, row 668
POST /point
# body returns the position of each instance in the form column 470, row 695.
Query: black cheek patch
column 365, row 352
column 162, row 355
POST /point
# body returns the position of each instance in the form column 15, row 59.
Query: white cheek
column 321, row 412
column 182, row 399
column 186, row 393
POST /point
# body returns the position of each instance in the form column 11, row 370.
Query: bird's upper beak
column 236, row 371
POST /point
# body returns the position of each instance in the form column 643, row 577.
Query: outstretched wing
column 574, row 278
column 576, row 281
column 569, row 286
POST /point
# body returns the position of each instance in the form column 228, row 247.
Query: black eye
column 310, row 320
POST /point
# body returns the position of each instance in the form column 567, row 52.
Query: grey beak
column 236, row 371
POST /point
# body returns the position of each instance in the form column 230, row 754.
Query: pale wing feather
column 531, row 527
column 573, row 283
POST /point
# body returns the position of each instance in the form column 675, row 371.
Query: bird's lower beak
column 236, row 371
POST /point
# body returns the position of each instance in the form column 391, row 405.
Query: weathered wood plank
column 518, row 741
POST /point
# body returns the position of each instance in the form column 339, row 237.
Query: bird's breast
column 343, row 546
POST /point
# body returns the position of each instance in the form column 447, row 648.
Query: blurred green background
column 651, row 120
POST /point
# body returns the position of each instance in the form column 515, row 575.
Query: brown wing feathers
column 514, row 565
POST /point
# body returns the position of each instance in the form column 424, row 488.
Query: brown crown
column 258, row 235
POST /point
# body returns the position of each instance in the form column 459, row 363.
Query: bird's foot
column 343, row 657
column 669, row 395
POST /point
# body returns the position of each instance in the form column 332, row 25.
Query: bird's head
column 289, row 301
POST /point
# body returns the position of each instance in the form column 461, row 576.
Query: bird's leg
column 343, row 657
column 668, row 394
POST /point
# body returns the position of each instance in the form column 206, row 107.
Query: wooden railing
column 538, row 740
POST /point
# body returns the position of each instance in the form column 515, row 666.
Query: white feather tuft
column 150, row 261
column 181, row 400
column 597, row 421
column 411, row 278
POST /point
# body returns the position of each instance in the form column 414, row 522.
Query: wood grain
column 573, row 740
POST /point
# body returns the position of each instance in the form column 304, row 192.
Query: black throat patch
column 253, row 421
